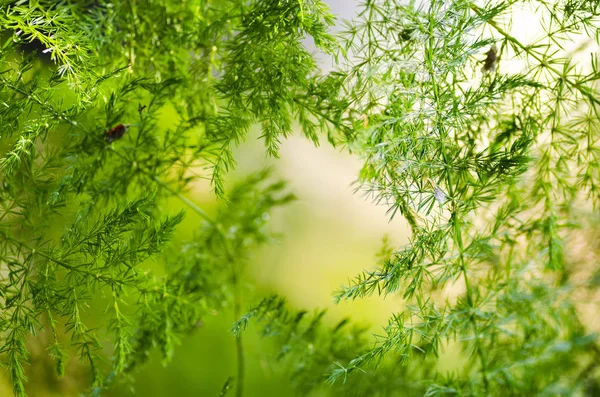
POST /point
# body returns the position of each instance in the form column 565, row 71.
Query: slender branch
column 583, row 90
column 237, row 300
column 60, row 263
column 239, row 346
column 469, row 294
column 456, row 221
column 59, row 115
column 185, row 200
column 9, row 208
column 316, row 112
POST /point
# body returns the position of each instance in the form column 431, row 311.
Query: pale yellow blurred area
column 329, row 235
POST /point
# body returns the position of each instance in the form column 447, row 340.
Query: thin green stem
column 9, row 208
column 239, row 346
column 324, row 116
column 429, row 57
column 583, row 90
column 60, row 263
column 187, row 201
column 42, row 104
column 469, row 294
column 237, row 300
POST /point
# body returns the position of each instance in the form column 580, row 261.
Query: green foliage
column 495, row 171
column 486, row 167
column 311, row 350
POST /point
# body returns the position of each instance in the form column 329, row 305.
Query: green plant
column 495, row 172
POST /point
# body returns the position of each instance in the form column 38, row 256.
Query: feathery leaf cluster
column 484, row 142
